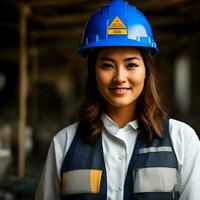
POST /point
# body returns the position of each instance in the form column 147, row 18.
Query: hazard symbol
column 117, row 27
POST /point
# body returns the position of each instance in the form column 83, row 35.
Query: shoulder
column 68, row 131
column 179, row 124
column 62, row 140
column 184, row 139
column 187, row 148
column 180, row 129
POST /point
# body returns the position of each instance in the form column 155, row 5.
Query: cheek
column 139, row 78
column 103, row 79
column 100, row 82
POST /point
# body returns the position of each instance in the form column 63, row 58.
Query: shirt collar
column 112, row 127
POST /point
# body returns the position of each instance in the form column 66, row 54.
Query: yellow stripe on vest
column 81, row 181
column 64, row 181
column 95, row 180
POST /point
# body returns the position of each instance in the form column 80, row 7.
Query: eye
column 132, row 65
column 106, row 66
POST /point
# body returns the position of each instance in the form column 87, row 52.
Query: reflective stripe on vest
column 83, row 171
column 155, row 149
column 152, row 173
column 162, row 179
column 81, row 181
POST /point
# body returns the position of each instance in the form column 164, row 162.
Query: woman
column 124, row 145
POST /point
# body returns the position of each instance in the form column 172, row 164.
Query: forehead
column 119, row 52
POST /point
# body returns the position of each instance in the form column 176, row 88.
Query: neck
column 121, row 116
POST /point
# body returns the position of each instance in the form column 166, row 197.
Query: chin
column 120, row 104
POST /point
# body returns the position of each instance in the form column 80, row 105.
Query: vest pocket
column 156, row 180
column 81, row 181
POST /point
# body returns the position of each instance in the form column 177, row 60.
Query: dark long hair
column 149, row 110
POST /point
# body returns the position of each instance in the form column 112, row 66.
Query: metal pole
column 22, row 88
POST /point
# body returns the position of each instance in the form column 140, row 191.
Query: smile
column 119, row 91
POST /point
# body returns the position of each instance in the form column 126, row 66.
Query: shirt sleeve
column 48, row 187
column 190, row 170
column 50, row 181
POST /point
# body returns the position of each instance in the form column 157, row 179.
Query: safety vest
column 152, row 173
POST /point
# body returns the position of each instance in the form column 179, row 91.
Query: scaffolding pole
column 24, row 10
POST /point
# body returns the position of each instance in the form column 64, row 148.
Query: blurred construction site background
column 42, row 76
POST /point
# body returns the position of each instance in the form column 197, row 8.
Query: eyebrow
column 112, row 60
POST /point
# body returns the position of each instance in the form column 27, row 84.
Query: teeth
column 119, row 90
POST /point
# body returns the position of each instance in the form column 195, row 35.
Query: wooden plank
column 60, row 19
column 57, row 33
column 55, row 2
column 158, row 4
column 141, row 5
column 174, row 20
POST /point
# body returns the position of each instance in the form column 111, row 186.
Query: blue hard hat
column 117, row 24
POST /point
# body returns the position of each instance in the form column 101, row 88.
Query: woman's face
column 120, row 75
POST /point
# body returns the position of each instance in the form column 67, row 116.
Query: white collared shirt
column 118, row 144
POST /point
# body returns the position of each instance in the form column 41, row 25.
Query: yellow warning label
column 117, row 27
column 117, row 31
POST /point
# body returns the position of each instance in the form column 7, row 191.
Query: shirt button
column 119, row 189
column 121, row 157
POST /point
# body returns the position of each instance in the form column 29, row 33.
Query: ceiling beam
column 55, row 33
column 158, row 4
column 142, row 5
column 60, row 19
column 55, row 2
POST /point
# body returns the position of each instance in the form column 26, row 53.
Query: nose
column 120, row 75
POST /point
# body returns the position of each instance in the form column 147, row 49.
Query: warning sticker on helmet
column 117, row 27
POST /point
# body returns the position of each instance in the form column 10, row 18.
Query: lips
column 119, row 91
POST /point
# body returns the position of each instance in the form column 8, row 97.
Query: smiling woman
column 120, row 75
column 121, row 81
column 124, row 146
